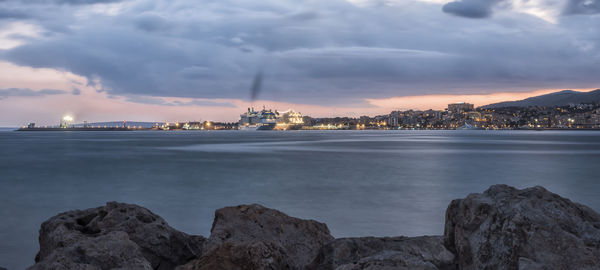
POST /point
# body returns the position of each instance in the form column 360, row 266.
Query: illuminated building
column 460, row 107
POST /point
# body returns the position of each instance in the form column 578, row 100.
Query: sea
column 360, row 183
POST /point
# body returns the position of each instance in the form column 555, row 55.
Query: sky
column 178, row 60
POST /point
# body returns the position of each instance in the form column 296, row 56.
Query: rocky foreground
column 502, row 228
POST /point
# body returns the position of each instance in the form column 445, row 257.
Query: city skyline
column 558, row 110
column 186, row 112
column 153, row 60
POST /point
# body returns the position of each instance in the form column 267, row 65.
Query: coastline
column 399, row 129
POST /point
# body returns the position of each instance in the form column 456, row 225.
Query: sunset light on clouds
column 142, row 60
column 366, row 119
column 86, row 102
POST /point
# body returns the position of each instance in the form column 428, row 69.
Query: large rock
column 417, row 253
column 507, row 228
column 253, row 256
column 255, row 237
column 108, row 251
column 503, row 228
column 117, row 235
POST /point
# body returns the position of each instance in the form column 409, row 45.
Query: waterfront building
column 194, row 125
column 460, row 107
column 392, row 121
column 365, row 120
column 473, row 115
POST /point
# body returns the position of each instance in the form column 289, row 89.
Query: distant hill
column 561, row 98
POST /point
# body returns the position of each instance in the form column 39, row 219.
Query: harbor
column 457, row 116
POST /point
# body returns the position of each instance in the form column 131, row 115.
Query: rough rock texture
column 255, row 237
column 418, row 253
column 257, row 255
column 502, row 228
column 117, row 235
column 507, row 228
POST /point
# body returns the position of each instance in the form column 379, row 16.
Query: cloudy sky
column 167, row 60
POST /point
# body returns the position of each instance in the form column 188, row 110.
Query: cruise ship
column 258, row 120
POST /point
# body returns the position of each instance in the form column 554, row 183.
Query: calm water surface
column 360, row 183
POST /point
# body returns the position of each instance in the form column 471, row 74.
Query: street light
column 65, row 121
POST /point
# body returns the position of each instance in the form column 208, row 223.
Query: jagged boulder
column 502, row 228
column 109, row 251
column 255, row 237
column 252, row 256
column 508, row 228
column 117, row 235
column 418, row 253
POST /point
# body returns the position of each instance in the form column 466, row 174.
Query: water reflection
column 359, row 183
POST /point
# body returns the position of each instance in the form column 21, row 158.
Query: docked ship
column 289, row 120
column 258, row 120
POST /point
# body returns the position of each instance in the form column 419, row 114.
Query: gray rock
column 507, row 228
column 418, row 253
column 261, row 237
column 113, row 250
column 257, row 255
column 116, row 236
column 503, row 228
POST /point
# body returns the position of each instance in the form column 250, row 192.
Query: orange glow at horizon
column 94, row 106
column 440, row 102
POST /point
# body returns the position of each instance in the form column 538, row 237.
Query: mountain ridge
column 560, row 98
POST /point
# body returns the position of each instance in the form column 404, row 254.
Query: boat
column 258, row 120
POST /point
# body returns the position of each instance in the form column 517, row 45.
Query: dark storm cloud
column 151, row 22
column 332, row 52
column 162, row 102
column 305, row 16
column 85, row 2
column 202, row 103
column 582, row 7
column 26, row 92
column 476, row 9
